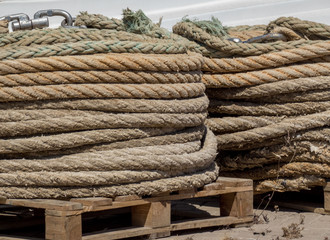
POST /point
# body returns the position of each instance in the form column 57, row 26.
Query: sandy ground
column 315, row 227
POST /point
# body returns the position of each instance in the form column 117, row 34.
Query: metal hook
column 65, row 25
column 21, row 21
column 55, row 12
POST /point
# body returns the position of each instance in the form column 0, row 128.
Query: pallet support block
column 237, row 204
column 327, row 197
column 63, row 225
column 153, row 215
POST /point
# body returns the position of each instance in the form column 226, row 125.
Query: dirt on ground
column 279, row 224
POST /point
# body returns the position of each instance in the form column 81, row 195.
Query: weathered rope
column 180, row 136
column 262, row 109
column 4, row 26
column 101, row 112
column 76, row 139
column 271, row 89
column 192, row 32
column 312, row 30
column 312, row 96
column 198, row 104
column 293, row 169
column 289, row 184
column 137, row 62
column 303, row 151
column 264, row 97
column 83, row 91
column 91, row 47
column 246, row 79
column 49, row 36
column 60, row 77
column 71, row 171
column 197, row 179
column 269, row 60
column 276, row 130
column 241, row 123
column 99, row 121
column 133, row 159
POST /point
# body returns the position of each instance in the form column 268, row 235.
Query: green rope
column 213, row 27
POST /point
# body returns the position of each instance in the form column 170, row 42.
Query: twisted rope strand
column 81, row 91
column 232, row 80
column 113, row 61
column 272, row 89
column 52, row 78
column 100, row 121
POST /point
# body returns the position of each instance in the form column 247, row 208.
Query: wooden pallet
column 304, row 203
column 150, row 216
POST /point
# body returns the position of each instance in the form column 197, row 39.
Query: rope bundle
column 269, row 101
column 88, row 112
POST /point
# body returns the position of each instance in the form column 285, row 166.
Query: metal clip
column 65, row 25
column 55, row 12
column 21, row 21
column 270, row 36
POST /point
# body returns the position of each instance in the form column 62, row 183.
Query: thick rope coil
column 48, row 36
column 276, row 130
column 197, row 179
column 246, row 79
column 181, row 136
column 182, row 105
column 270, row 60
column 308, row 96
column 135, row 159
column 312, row 30
column 262, row 109
column 293, row 169
column 76, row 139
column 289, row 184
column 296, row 152
column 99, row 121
column 313, row 135
column 81, row 91
column 114, row 61
column 61, row 77
column 241, row 123
column 192, row 32
column 91, row 47
column 99, row 21
column 272, row 89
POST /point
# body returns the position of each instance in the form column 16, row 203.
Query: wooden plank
column 218, row 221
column 225, row 191
column 303, row 206
column 93, row 202
column 125, row 233
column 63, row 227
column 127, row 198
column 218, row 185
column 45, row 204
column 234, row 182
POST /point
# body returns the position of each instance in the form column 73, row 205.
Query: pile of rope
column 269, row 101
column 101, row 112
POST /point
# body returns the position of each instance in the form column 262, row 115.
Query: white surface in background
column 229, row 12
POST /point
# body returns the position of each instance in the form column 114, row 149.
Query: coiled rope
column 88, row 112
column 269, row 100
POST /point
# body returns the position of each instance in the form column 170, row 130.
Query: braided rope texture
column 269, row 101
column 101, row 112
